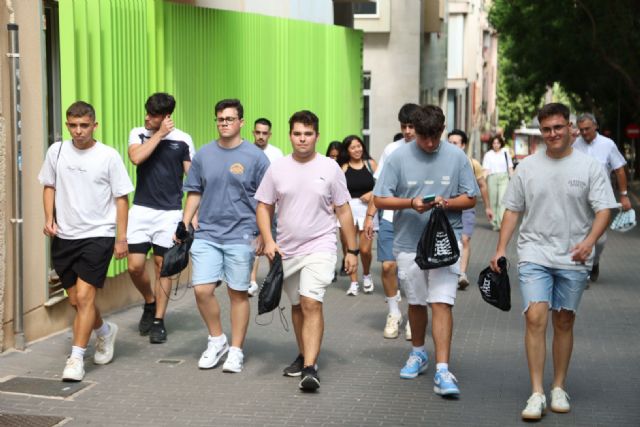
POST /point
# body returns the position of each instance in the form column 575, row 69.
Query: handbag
column 438, row 246
column 495, row 287
column 176, row 258
column 271, row 288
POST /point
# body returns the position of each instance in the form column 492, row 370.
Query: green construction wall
column 115, row 53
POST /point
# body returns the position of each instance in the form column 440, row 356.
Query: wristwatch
column 355, row 252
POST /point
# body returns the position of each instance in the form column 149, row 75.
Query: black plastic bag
column 271, row 289
column 438, row 246
column 176, row 258
column 495, row 287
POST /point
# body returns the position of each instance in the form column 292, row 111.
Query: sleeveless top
column 359, row 181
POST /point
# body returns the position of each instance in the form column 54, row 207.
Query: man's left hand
column 581, row 252
column 625, row 202
column 120, row 249
column 350, row 263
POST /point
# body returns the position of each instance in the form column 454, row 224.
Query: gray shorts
column 468, row 221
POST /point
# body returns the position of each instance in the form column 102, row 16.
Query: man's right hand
column 166, row 127
column 494, row 261
column 50, row 228
column 181, row 232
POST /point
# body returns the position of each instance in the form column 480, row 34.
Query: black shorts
column 87, row 259
column 143, row 248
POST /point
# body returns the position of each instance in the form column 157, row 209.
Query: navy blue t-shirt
column 159, row 184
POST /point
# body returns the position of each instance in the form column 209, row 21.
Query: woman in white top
column 498, row 167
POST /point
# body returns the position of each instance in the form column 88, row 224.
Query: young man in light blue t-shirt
column 222, row 181
column 423, row 167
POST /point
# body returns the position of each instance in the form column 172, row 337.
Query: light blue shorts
column 560, row 288
column 213, row 262
column 385, row 241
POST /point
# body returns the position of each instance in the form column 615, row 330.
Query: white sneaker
column 253, row 289
column 212, row 354
column 104, row 346
column 234, row 361
column 73, row 370
column 536, row 407
column 560, row 401
column 367, row 284
column 392, row 326
column 407, row 332
column 353, row 289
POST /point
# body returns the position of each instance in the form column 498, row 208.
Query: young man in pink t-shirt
column 306, row 187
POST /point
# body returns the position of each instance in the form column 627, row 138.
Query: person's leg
column 503, row 182
column 82, row 296
column 136, row 263
column 563, row 322
column 162, row 289
column 254, row 270
column 535, row 342
column 354, row 276
column 238, row 262
column 290, row 287
column 365, row 253
column 312, row 329
column 441, row 330
column 494, row 200
column 390, row 279
column 240, row 310
column 297, row 319
column 464, row 256
column 208, row 307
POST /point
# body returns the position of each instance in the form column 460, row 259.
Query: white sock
column 420, row 349
column 442, row 366
column 235, row 350
column 221, row 339
column 394, row 307
column 103, row 330
column 366, row 276
column 78, row 352
column 354, row 283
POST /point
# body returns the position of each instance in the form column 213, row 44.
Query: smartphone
column 429, row 198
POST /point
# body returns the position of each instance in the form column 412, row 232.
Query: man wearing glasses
column 604, row 150
column 222, row 181
column 566, row 198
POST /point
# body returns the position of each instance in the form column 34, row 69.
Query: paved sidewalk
column 358, row 368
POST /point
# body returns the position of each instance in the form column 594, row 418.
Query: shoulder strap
column 368, row 165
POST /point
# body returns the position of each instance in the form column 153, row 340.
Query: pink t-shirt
column 304, row 194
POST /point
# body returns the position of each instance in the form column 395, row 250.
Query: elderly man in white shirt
column 606, row 152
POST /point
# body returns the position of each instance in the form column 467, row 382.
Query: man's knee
column 135, row 267
column 563, row 320
column 310, row 306
column 536, row 315
column 389, row 267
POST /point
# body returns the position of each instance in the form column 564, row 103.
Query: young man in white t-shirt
column 85, row 208
column 261, row 135
column 306, row 187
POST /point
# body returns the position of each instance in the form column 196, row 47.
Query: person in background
column 498, row 167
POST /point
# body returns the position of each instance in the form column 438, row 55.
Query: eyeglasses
column 229, row 120
column 556, row 129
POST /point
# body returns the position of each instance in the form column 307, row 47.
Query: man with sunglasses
column 222, row 181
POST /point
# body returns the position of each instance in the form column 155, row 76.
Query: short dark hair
column 262, row 121
column 553, row 109
column 406, row 111
column 398, row 136
column 305, row 117
column 461, row 134
column 428, row 121
column 500, row 140
column 160, row 104
column 81, row 109
column 230, row 103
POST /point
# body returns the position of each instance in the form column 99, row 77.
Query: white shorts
column 308, row 275
column 152, row 225
column 359, row 213
column 424, row 287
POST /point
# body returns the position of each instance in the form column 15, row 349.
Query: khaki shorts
column 424, row 287
column 308, row 275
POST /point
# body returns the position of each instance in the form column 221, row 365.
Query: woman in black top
column 358, row 168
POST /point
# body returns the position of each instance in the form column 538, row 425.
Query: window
column 368, row 9
column 366, row 108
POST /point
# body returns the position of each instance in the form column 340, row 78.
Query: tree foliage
column 590, row 47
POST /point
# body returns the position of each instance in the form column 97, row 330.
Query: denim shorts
column 560, row 288
column 468, row 221
column 385, row 241
column 213, row 262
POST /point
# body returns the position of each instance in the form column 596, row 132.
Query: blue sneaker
column 445, row 384
column 417, row 363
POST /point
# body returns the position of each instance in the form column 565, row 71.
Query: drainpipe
column 14, row 58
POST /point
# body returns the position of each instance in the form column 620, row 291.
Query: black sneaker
column 310, row 380
column 157, row 333
column 595, row 273
column 295, row 369
column 148, row 314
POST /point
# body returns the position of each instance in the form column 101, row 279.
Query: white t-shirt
column 496, row 162
column 390, row 148
column 86, row 183
column 305, row 195
column 602, row 149
column 559, row 198
column 272, row 152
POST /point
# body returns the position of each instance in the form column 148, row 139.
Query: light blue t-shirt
column 227, row 180
column 410, row 172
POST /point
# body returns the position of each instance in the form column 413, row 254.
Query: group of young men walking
column 234, row 189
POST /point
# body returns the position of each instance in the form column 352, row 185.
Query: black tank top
column 359, row 181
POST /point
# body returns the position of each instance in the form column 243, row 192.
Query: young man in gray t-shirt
column 423, row 167
column 565, row 198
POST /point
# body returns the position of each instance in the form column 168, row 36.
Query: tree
column 589, row 47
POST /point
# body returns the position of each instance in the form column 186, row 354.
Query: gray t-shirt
column 410, row 172
column 559, row 198
column 227, row 180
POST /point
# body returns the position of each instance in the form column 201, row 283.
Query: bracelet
column 412, row 203
column 371, row 215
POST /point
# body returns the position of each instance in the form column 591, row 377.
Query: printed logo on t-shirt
column 428, row 182
column 412, row 183
column 174, row 146
column 236, row 169
column 446, row 180
column 576, row 187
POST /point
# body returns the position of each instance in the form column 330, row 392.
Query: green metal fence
column 115, row 53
